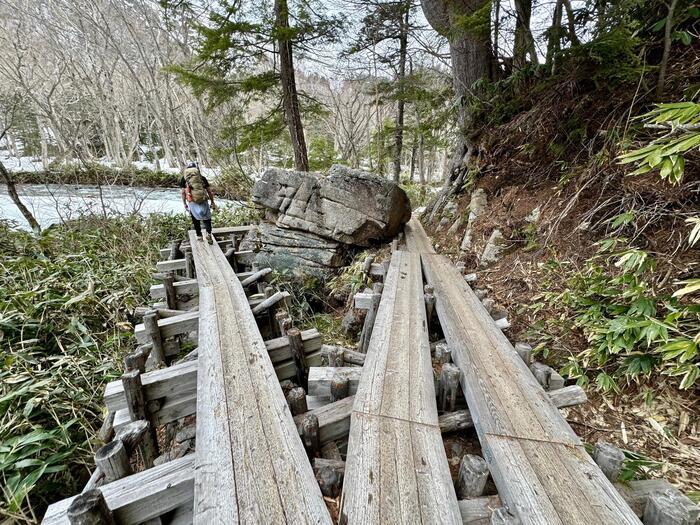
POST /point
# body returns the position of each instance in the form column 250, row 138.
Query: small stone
column 488, row 303
column 503, row 324
column 534, row 215
column 470, row 277
column 498, row 313
column 480, row 293
column 524, row 350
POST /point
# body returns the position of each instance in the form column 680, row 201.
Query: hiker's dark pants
column 198, row 227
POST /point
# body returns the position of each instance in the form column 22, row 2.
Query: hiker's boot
column 199, row 237
column 210, row 240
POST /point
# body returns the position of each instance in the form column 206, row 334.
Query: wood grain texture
column 140, row 497
column 251, row 466
column 539, row 465
column 396, row 470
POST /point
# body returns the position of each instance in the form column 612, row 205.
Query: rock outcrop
column 284, row 248
column 349, row 206
column 316, row 220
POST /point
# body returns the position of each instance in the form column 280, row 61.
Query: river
column 53, row 203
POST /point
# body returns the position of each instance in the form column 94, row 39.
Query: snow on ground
column 33, row 165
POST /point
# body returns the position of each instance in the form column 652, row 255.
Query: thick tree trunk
column 472, row 60
column 398, row 132
column 573, row 37
column 554, row 41
column 12, row 191
column 290, row 99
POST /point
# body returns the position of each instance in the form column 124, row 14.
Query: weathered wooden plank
column 187, row 287
column 181, row 379
column 396, row 469
column 320, row 379
column 477, row 511
column 333, row 419
column 140, row 497
column 182, row 324
column 542, row 472
column 248, row 448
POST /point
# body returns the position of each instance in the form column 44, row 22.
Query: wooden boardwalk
column 251, row 466
column 396, row 468
column 541, row 469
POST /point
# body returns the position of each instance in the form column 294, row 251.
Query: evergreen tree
column 245, row 56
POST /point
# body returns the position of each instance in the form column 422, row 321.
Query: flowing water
column 53, row 203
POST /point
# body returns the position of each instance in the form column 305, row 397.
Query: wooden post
column 296, row 399
column 473, row 474
column 310, row 434
column 449, row 386
column 443, row 353
column 113, row 460
column 336, row 357
column 175, row 252
column 150, row 325
column 329, row 474
column 138, row 434
column 189, row 263
column 340, row 388
column 136, row 360
column 170, row 296
column 609, row 458
column 296, row 347
column 461, row 267
column 524, row 350
column 136, row 405
column 542, row 373
column 367, row 267
column 284, row 323
column 90, row 508
column 231, row 258
column 429, row 295
column 368, row 326
column 501, row 516
column 669, row 507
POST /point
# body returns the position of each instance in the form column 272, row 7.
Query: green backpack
column 196, row 192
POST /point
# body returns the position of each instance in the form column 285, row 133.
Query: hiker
column 196, row 195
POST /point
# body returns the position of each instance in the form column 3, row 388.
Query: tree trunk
column 471, row 60
column 667, row 49
column 12, row 191
column 524, row 43
column 554, row 41
column 573, row 37
column 290, row 99
column 398, row 132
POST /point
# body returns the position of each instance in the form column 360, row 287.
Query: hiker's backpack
column 196, row 192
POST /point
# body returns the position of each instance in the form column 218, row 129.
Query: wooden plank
column 188, row 287
column 477, row 511
column 251, row 465
column 320, row 379
column 539, row 465
column 362, row 300
column 181, row 379
column 140, row 497
column 333, row 419
column 396, row 470
column 181, row 324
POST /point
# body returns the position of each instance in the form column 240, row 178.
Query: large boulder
column 349, row 206
column 282, row 248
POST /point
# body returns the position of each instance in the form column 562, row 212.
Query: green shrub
column 633, row 330
column 65, row 303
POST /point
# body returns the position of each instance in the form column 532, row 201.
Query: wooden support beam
column 296, row 347
column 255, row 277
column 562, row 398
column 185, row 286
column 113, row 460
column 139, row 497
column 90, row 508
column 269, row 302
column 251, row 464
column 153, row 336
column 472, row 477
column 368, row 325
column 170, row 295
column 181, row 379
column 477, row 511
column 320, row 378
column 333, row 420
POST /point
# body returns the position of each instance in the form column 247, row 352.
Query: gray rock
column 285, row 249
column 467, row 239
column 534, row 215
column 443, row 222
column 348, row 206
column 471, row 277
column 480, row 293
column 493, row 249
